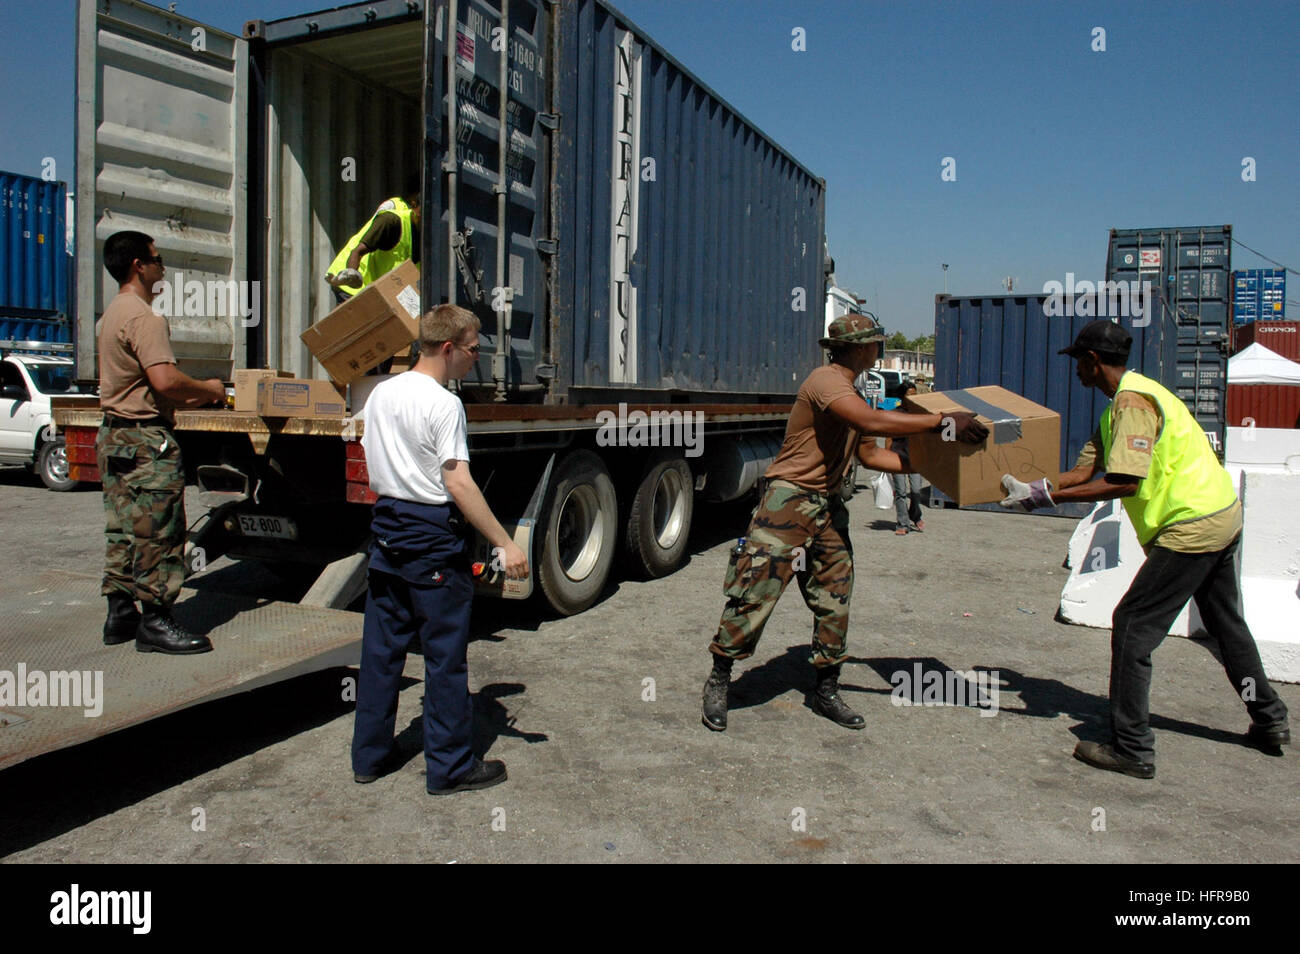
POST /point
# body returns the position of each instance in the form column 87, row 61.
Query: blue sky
column 1054, row 143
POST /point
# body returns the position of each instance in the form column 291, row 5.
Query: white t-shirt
column 413, row 425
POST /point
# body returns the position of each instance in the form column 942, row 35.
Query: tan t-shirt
column 818, row 446
column 1136, row 423
column 132, row 338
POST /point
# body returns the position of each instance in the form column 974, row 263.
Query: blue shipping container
column 1258, row 294
column 1010, row 341
column 1188, row 268
column 34, row 264
column 654, row 243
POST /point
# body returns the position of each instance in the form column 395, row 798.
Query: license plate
column 261, row 525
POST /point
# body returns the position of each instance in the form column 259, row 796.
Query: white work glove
column 1031, row 496
column 349, row 277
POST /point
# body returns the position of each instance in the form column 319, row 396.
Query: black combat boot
column 123, row 619
column 159, row 633
column 715, row 693
column 826, row 700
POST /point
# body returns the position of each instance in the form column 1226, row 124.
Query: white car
column 27, row 435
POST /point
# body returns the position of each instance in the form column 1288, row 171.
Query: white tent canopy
column 1257, row 365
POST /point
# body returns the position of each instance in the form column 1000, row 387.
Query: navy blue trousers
column 419, row 597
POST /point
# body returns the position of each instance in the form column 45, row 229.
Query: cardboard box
column 380, row 321
column 246, row 385
column 359, row 391
column 1024, row 441
column 299, row 397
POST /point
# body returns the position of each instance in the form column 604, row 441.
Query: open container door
column 161, row 148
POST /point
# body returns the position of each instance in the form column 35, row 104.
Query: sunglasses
column 472, row 349
column 156, row 260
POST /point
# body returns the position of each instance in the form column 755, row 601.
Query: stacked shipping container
column 1258, row 294
column 34, row 265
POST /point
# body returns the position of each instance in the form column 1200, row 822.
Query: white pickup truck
column 27, row 433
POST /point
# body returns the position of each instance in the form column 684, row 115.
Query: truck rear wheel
column 580, row 533
column 659, row 523
column 52, row 466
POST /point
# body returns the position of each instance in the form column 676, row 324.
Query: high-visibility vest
column 377, row 262
column 1186, row 480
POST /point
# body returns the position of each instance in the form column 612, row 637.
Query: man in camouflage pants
column 800, row 529
column 139, row 459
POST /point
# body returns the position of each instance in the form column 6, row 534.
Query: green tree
column 897, row 341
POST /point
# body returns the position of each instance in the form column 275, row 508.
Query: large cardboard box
column 299, row 397
column 246, row 385
column 381, row 320
column 1024, row 441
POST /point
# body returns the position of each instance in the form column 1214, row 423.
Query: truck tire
column 659, row 522
column 580, row 533
column 52, row 466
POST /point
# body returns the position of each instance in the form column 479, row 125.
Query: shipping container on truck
column 1190, row 271
column 35, row 267
column 1012, row 341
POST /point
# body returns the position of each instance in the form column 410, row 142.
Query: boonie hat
column 1103, row 336
column 853, row 330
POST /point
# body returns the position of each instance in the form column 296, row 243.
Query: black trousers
column 1142, row 619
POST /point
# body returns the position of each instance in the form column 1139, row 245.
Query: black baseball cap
column 1104, row 337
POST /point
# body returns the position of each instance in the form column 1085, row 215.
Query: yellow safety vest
column 376, row 263
column 1186, row 480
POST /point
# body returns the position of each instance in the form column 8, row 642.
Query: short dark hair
column 413, row 185
column 121, row 249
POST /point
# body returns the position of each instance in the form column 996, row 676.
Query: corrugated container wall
column 1280, row 337
column 1189, row 270
column 1011, row 341
column 725, row 235
column 34, row 265
column 1264, row 405
column 1258, row 294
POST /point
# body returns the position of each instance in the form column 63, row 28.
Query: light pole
column 945, row 278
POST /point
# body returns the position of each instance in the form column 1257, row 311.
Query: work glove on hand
column 348, row 276
column 1031, row 496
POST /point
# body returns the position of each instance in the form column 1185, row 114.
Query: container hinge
column 548, row 246
column 549, row 120
column 465, row 255
column 545, row 372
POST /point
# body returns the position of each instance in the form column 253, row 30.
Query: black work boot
column 159, row 633
column 826, row 700
column 715, row 693
column 123, row 619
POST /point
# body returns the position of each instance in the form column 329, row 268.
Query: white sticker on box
column 409, row 299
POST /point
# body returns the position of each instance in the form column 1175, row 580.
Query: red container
column 1281, row 337
column 1266, row 405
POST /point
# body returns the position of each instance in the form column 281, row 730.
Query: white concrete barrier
column 1270, row 569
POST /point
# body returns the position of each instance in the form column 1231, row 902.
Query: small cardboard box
column 246, row 385
column 1024, row 441
column 381, row 320
column 299, row 397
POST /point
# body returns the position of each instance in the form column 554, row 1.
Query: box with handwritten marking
column 1024, row 441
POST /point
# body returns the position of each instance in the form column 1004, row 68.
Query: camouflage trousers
column 799, row 534
column 144, row 512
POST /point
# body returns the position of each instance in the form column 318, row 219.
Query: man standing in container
column 139, row 459
column 389, row 238
column 1181, row 501
column 420, row 585
column 800, row 528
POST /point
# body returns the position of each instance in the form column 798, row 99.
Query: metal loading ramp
column 52, row 622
